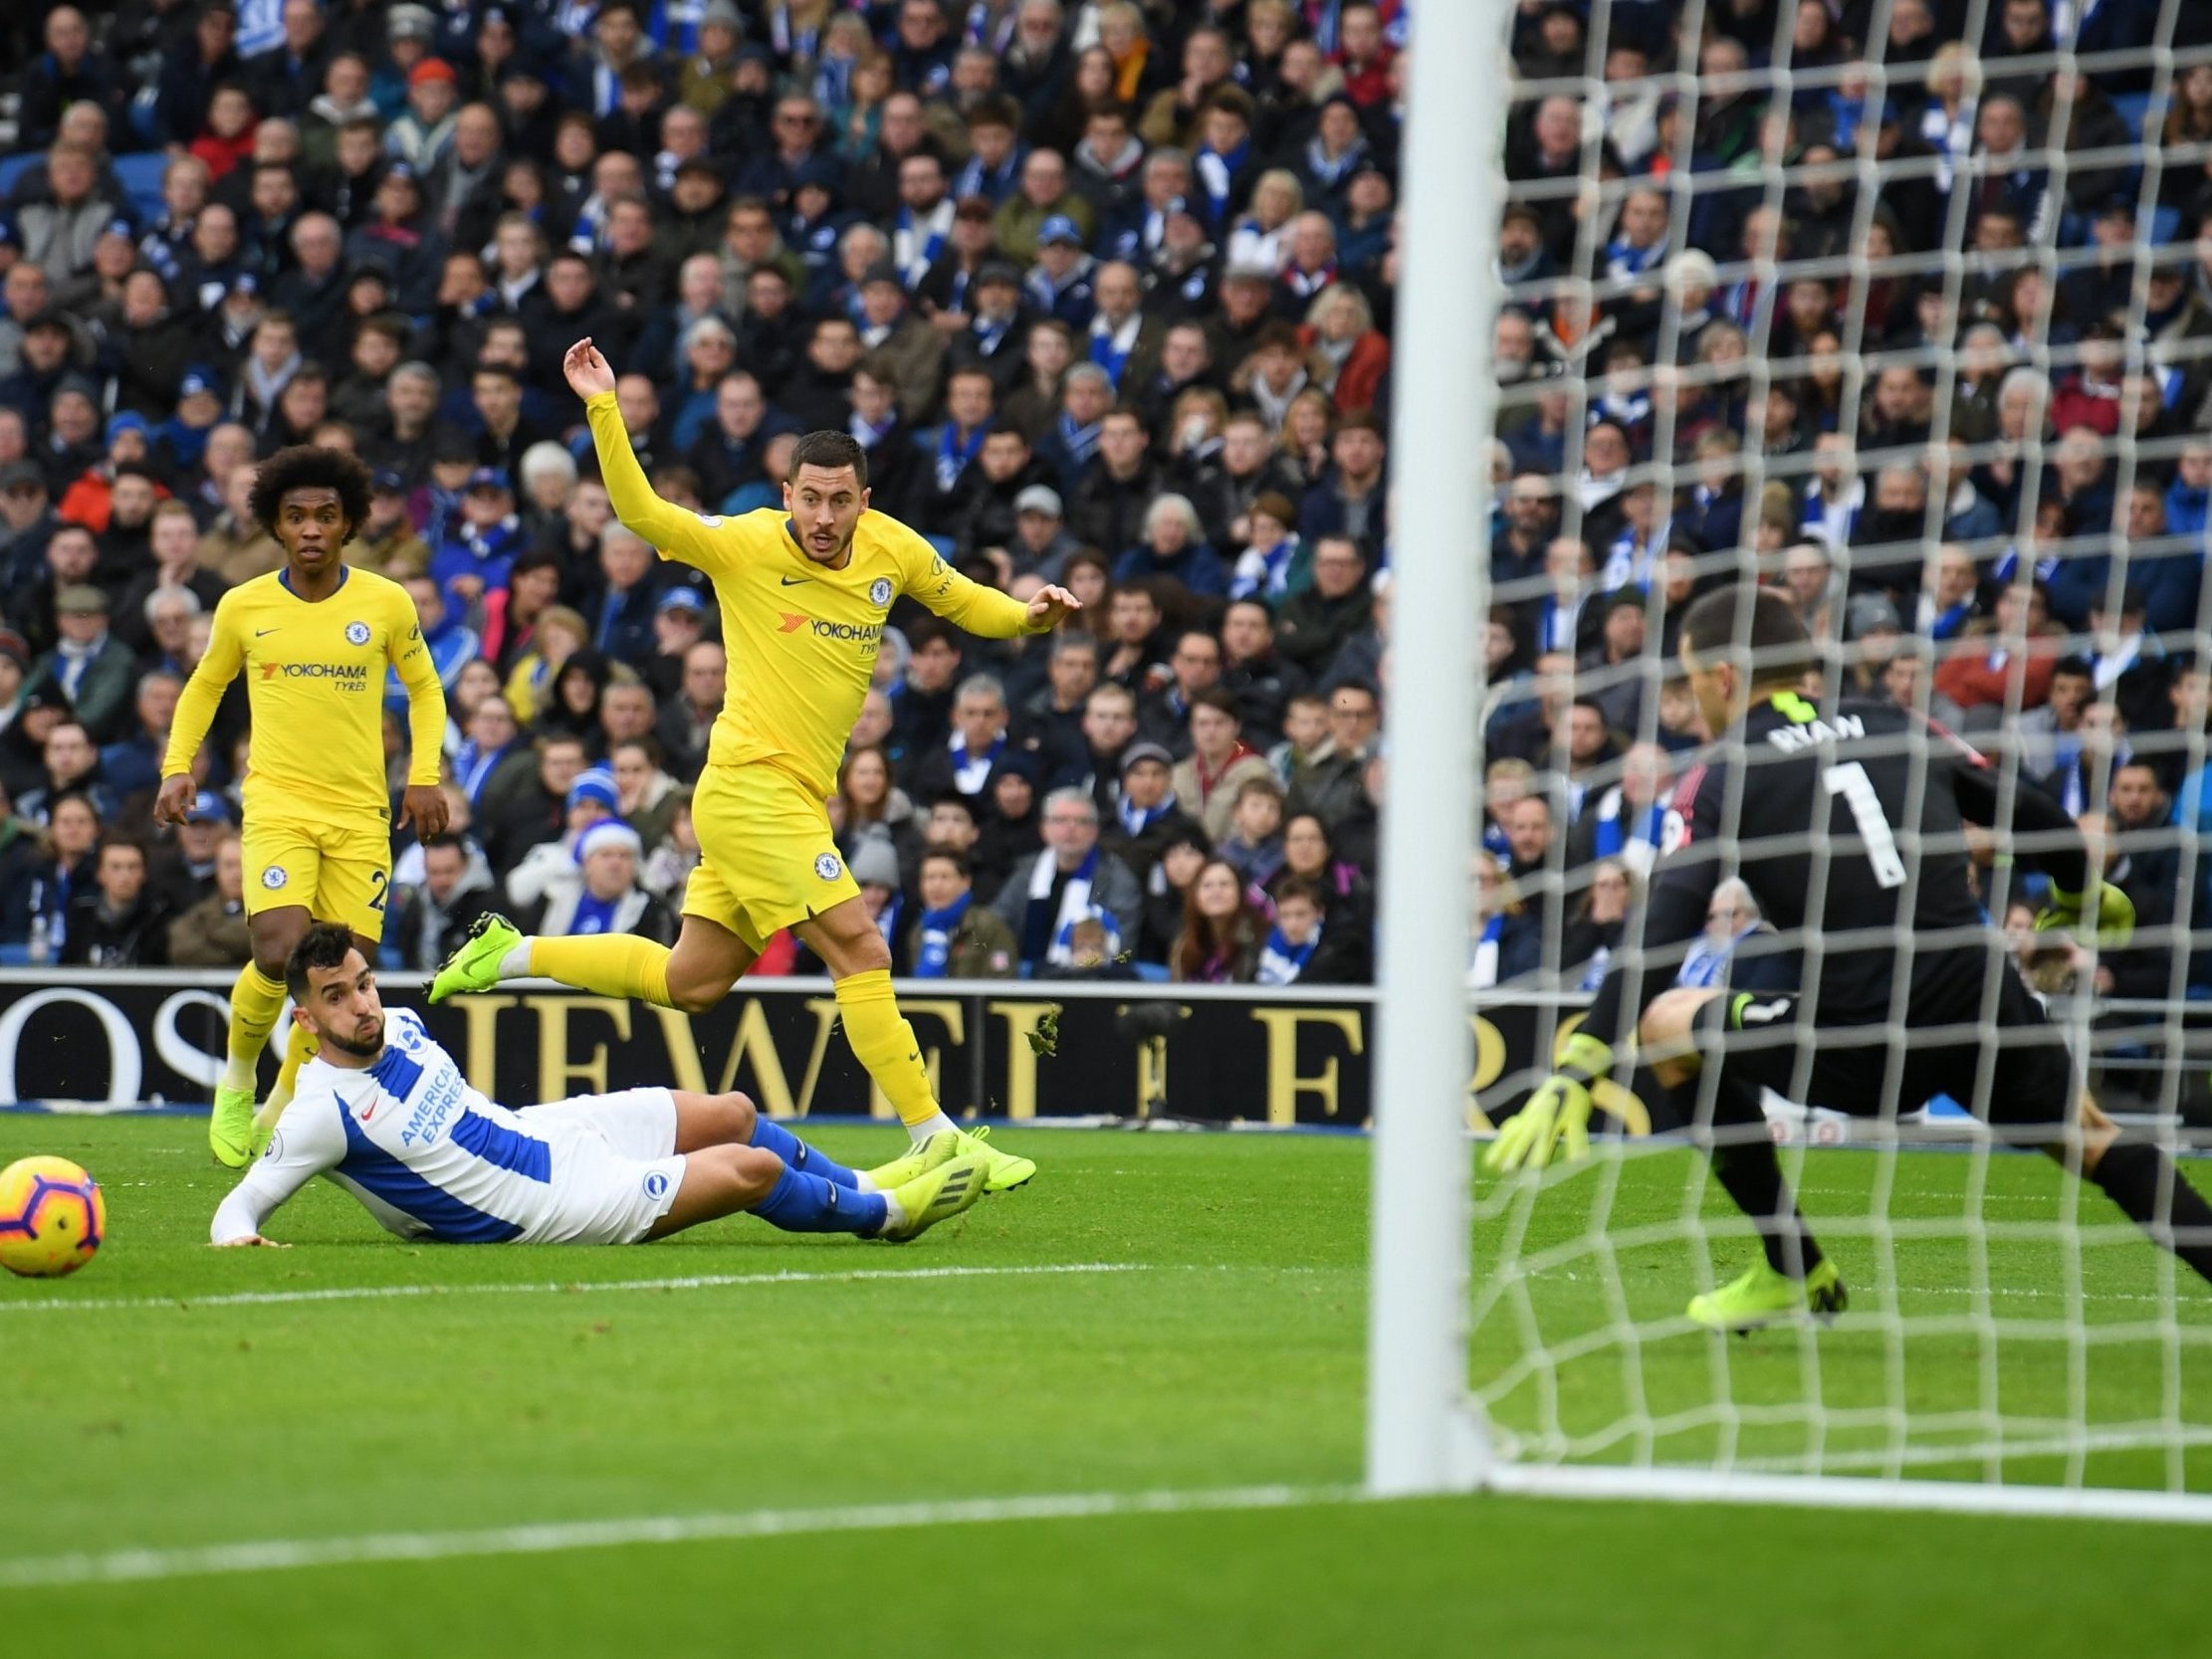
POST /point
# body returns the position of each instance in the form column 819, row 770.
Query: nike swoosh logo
column 793, row 581
column 258, row 632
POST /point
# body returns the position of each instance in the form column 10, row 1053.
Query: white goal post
column 1425, row 1431
column 1420, row 1434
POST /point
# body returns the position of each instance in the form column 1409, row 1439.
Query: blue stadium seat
column 2165, row 225
column 142, row 176
column 2134, row 108
column 14, row 167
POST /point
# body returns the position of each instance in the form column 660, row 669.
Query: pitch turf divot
column 574, row 1286
column 137, row 1566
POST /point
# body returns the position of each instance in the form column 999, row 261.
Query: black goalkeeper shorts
column 2018, row 1076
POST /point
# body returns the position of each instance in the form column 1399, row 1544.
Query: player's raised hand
column 424, row 806
column 2110, row 913
column 588, row 373
column 1556, row 1120
column 175, row 799
column 1049, row 606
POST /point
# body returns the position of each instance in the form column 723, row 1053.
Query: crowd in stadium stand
column 1105, row 288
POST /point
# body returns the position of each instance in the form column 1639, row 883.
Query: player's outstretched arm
column 308, row 1143
column 2053, row 841
column 982, row 611
column 668, row 528
column 423, row 805
column 195, row 712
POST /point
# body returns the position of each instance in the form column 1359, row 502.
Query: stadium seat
column 2133, row 109
column 14, row 167
column 142, row 176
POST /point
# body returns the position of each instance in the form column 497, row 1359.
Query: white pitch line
column 2177, row 1301
column 127, row 1566
column 694, row 1282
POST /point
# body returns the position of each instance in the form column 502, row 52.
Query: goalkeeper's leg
column 1722, row 1107
column 1717, row 1094
column 2033, row 1092
column 2143, row 1182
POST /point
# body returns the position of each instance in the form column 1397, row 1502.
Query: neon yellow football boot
column 950, row 1189
column 474, row 963
column 1007, row 1170
column 1762, row 1295
column 930, row 1153
column 231, row 1135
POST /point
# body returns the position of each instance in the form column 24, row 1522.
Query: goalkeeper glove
column 1557, row 1116
column 2115, row 913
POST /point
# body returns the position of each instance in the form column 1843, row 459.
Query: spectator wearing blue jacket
column 622, row 617
column 1174, row 547
column 2190, row 493
column 480, row 555
column 1349, row 498
column 452, row 642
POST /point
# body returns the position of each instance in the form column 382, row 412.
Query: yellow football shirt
column 314, row 686
column 801, row 638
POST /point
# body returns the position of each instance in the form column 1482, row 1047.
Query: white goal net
column 1904, row 309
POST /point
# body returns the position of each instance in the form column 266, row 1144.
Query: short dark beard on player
column 360, row 1051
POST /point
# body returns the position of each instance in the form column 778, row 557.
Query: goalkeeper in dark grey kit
column 1829, row 811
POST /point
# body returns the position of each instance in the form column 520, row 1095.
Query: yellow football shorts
column 339, row 872
column 767, row 858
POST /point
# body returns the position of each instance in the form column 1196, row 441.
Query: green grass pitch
column 1224, row 1348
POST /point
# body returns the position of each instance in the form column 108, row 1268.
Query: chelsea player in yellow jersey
column 314, row 641
column 804, row 595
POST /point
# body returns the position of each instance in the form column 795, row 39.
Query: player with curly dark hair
column 295, row 480
column 318, row 642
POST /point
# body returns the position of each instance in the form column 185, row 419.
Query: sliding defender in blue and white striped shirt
column 385, row 1113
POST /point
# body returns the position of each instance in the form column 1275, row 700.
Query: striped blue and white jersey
column 426, row 1155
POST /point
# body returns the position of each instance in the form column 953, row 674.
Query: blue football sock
column 773, row 1136
column 802, row 1204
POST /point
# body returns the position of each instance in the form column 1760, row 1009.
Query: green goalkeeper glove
column 1557, row 1116
column 2115, row 913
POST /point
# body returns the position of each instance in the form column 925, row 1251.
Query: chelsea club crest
column 879, row 591
column 356, row 633
column 826, row 866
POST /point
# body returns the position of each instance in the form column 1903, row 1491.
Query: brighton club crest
column 356, row 633
column 879, row 591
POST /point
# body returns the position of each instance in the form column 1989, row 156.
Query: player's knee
column 693, row 992
column 691, row 998
column 751, row 1173
column 1667, row 1020
column 861, row 952
column 272, row 946
column 735, row 1117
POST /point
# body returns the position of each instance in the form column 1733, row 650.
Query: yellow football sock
column 883, row 1042
column 255, row 1001
column 299, row 1049
column 609, row 965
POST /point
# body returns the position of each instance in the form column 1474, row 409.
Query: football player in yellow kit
column 804, row 593
column 316, row 641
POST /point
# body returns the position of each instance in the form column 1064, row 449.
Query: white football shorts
column 615, row 1167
